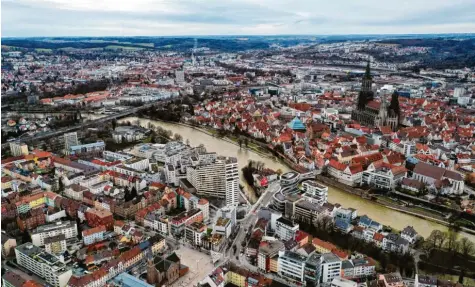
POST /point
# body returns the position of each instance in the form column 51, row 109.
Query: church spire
column 367, row 73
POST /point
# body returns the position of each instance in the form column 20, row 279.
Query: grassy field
column 71, row 49
column 44, row 50
column 117, row 47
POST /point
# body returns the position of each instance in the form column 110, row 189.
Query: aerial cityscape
column 213, row 144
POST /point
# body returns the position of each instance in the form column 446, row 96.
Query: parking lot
column 199, row 263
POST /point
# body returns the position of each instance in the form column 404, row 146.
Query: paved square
column 199, row 263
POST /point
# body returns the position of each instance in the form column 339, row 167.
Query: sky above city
column 24, row 18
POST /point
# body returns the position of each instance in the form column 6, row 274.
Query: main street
column 248, row 221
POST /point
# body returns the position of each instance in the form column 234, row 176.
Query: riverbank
column 360, row 193
column 396, row 219
column 343, row 187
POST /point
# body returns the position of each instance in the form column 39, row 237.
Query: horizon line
column 244, row 35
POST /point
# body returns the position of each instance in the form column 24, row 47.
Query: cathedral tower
column 366, row 93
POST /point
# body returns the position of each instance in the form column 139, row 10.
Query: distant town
column 301, row 163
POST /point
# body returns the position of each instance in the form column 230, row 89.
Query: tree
column 452, row 243
column 467, row 247
column 178, row 137
column 442, row 238
column 279, row 171
column 61, row 185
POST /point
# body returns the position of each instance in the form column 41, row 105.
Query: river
column 377, row 212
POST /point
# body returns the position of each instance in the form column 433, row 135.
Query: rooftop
column 222, row 221
column 54, row 226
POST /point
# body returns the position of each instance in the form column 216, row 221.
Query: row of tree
column 449, row 241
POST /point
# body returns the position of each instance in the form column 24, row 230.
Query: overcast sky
column 22, row 18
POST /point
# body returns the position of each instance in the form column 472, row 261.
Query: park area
column 199, row 265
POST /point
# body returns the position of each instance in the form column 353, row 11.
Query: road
column 249, row 220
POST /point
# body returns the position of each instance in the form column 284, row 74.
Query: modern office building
column 43, row 264
column 70, row 140
column 291, row 266
column 68, row 228
column 314, row 192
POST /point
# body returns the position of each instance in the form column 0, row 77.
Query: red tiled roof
column 337, row 165
column 100, row 228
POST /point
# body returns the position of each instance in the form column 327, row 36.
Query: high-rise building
column 18, row 148
column 232, row 181
column 216, row 179
column 43, row 264
column 70, row 139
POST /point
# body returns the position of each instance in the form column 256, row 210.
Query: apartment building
column 285, row 229
column 56, row 244
column 137, row 163
column 93, row 235
column 291, row 266
column 223, row 226
column 268, row 250
column 331, row 267
column 358, row 268
column 216, row 179
column 67, row 228
column 195, row 232
column 43, row 264
column 8, row 244
column 75, row 191
column 382, row 175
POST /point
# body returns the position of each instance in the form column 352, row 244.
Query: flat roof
column 290, row 175
column 54, row 226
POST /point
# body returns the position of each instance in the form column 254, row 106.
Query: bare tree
column 452, row 242
column 467, row 247
column 178, row 137
column 442, row 238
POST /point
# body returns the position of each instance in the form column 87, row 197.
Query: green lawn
column 117, row 47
